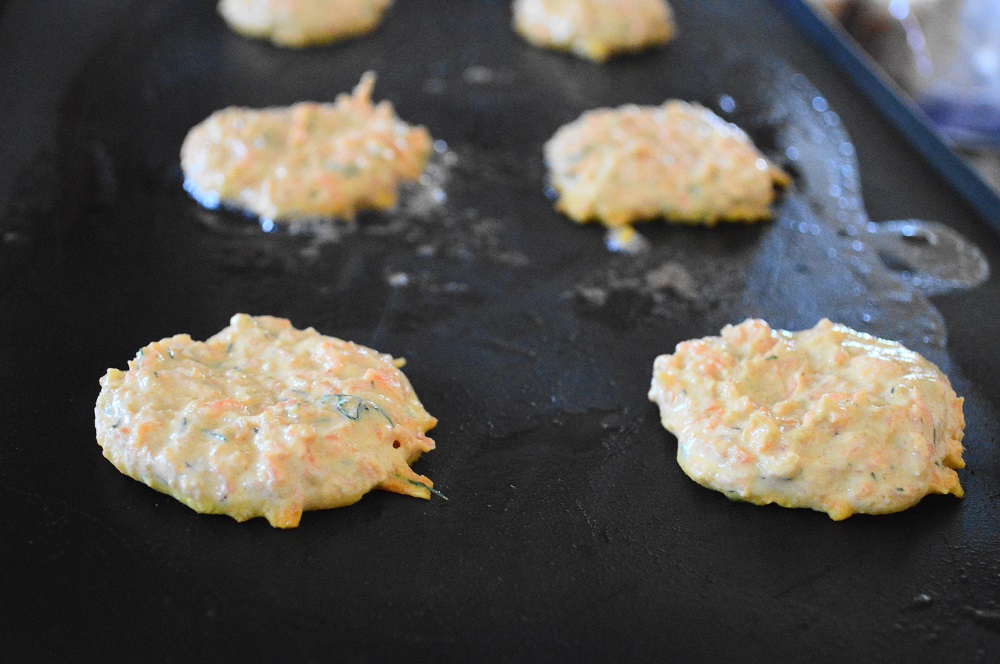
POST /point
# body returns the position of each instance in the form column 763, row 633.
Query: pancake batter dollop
column 595, row 29
column 679, row 162
column 306, row 161
column 827, row 418
column 263, row 419
column 298, row 23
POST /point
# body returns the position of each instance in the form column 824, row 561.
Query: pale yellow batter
column 595, row 29
column 827, row 418
column 678, row 162
column 263, row 419
column 305, row 161
column 303, row 22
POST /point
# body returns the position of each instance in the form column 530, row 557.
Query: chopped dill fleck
column 256, row 430
column 170, row 352
column 347, row 401
column 184, row 421
column 229, row 349
column 873, row 476
column 899, row 488
column 156, row 375
column 213, row 434
column 115, row 425
column 771, row 357
column 429, row 488
column 347, row 170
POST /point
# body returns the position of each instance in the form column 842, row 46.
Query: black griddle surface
column 570, row 531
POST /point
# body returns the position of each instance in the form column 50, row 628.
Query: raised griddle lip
column 899, row 110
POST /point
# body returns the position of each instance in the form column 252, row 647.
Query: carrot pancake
column 827, row 418
column 595, row 29
column 263, row 419
column 679, row 162
column 299, row 23
column 306, row 161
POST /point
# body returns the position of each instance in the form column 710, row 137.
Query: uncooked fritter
column 300, row 23
column 678, row 162
column 306, row 161
column 595, row 29
column 263, row 419
column 827, row 418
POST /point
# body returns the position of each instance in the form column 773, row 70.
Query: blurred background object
column 945, row 55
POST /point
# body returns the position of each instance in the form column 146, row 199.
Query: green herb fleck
column 156, row 375
column 873, row 476
column 170, row 352
column 900, row 489
column 184, row 421
column 347, row 170
column 229, row 349
column 431, row 489
column 115, row 425
column 214, row 434
column 353, row 407
column 771, row 357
